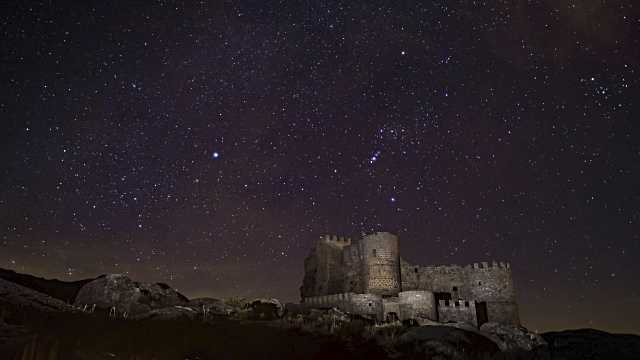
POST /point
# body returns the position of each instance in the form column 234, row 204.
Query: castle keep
column 369, row 277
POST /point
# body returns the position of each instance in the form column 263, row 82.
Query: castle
column 369, row 277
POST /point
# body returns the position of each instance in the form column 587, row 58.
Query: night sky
column 208, row 145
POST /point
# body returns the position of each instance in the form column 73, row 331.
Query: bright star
column 215, row 155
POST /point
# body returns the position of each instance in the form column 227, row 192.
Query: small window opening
column 446, row 303
column 415, row 270
column 457, row 304
column 466, row 304
column 479, row 282
column 455, row 288
column 370, row 304
column 374, row 253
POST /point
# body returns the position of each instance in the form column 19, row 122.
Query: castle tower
column 381, row 256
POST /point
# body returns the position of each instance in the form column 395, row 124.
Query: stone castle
column 368, row 277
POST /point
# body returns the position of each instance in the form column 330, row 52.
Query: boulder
column 512, row 337
column 263, row 309
column 127, row 296
column 445, row 342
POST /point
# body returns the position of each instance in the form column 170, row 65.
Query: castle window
column 374, row 253
column 479, row 282
column 415, row 270
column 457, row 303
column 455, row 288
column 446, row 303
column 466, row 304
column 370, row 304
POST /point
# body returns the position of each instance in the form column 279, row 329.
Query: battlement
column 340, row 241
column 457, row 311
column 456, row 304
column 494, row 265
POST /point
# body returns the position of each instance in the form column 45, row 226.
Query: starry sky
column 209, row 144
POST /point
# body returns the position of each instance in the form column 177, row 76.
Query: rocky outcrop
column 126, row 296
column 445, row 342
column 211, row 306
column 512, row 338
column 263, row 309
column 171, row 313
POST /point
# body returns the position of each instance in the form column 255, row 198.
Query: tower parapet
column 335, row 240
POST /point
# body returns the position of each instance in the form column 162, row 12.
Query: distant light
column 215, row 155
column 393, row 199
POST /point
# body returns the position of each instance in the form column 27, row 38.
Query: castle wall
column 381, row 256
column 491, row 282
column 353, row 274
column 325, row 270
column 391, row 305
column 457, row 311
column 409, row 276
column 329, row 274
column 417, row 304
column 503, row 312
column 368, row 304
column 448, row 279
column 363, row 304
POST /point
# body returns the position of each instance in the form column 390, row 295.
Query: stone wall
column 368, row 305
column 325, row 269
column 353, row 269
column 447, row 279
column 417, row 304
column 503, row 312
column 488, row 282
column 363, row 304
column 491, row 282
column 457, row 311
column 391, row 306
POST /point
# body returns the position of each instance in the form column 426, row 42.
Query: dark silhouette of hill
column 592, row 344
column 62, row 290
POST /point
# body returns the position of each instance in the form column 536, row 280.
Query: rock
column 445, row 342
column 171, row 313
column 592, row 344
column 211, row 306
column 128, row 296
column 460, row 325
column 512, row 337
column 264, row 309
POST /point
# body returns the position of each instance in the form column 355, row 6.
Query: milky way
column 210, row 145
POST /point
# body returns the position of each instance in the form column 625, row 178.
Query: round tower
column 381, row 264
